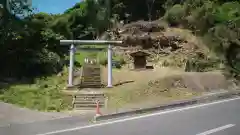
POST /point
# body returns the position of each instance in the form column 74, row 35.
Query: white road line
column 216, row 129
column 137, row 117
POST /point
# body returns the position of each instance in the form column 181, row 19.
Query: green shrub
column 118, row 61
column 45, row 95
column 103, row 61
column 229, row 11
column 202, row 64
column 122, row 61
column 175, row 15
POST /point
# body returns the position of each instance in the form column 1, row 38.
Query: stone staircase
column 87, row 100
column 88, row 91
column 91, row 76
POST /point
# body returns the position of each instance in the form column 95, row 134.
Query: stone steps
column 86, row 107
column 78, row 100
column 91, row 85
column 91, row 81
column 87, row 101
column 89, row 95
column 85, row 73
column 91, row 76
column 91, row 68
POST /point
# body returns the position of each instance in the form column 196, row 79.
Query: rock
column 148, row 35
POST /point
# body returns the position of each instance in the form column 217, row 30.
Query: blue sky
column 53, row 6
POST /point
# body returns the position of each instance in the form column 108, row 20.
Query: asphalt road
column 217, row 118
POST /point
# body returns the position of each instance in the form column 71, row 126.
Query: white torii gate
column 89, row 42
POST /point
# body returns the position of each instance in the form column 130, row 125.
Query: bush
column 175, row 15
column 202, row 64
column 228, row 11
column 45, row 95
column 117, row 62
column 103, row 61
column 218, row 22
column 122, row 61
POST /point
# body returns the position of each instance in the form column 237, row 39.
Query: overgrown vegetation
column 217, row 22
column 159, row 91
column 29, row 43
column 45, row 94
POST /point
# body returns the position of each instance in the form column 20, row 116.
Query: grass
column 100, row 55
column 145, row 94
column 44, row 95
column 80, row 55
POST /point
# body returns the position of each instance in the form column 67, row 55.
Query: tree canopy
column 29, row 43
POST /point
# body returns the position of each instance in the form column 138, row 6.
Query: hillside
column 168, row 46
column 183, row 66
column 41, row 33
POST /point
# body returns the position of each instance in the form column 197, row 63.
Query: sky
column 53, row 6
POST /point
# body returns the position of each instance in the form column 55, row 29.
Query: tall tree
column 150, row 4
